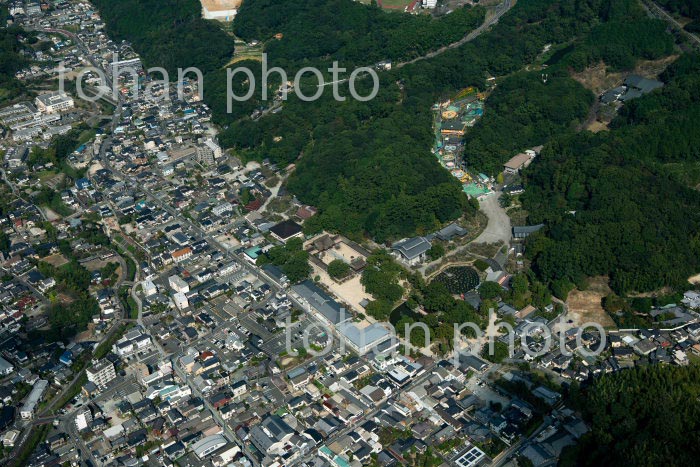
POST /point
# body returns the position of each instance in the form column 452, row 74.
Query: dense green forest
column 610, row 204
column 353, row 34
column 531, row 111
column 168, row 33
column 11, row 61
column 640, row 417
column 525, row 109
column 367, row 165
column 688, row 8
column 627, row 35
column 358, row 149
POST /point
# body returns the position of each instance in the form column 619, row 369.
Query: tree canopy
column 611, row 201
column 168, row 33
column 11, row 60
column 291, row 257
column 338, row 269
column 641, row 417
column 347, row 31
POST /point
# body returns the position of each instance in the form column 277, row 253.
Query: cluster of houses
column 197, row 368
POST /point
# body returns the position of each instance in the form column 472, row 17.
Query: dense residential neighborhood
column 167, row 301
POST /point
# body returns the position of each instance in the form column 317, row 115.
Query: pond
column 401, row 311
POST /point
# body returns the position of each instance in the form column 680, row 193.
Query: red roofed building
column 306, row 212
column 253, row 205
column 182, row 254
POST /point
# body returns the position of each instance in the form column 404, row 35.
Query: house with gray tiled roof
column 411, row 251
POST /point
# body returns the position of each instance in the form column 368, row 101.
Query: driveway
column 498, row 227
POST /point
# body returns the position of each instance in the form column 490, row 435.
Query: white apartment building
column 83, row 419
column 180, row 300
column 178, row 284
column 133, row 341
column 101, row 373
column 54, row 102
column 208, row 152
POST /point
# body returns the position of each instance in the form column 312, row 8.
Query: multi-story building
column 101, row 373
column 54, row 102
column 180, row 300
column 6, row 367
column 33, row 399
column 239, row 388
column 83, row 419
column 208, row 152
column 178, row 284
column 133, row 341
column 272, row 435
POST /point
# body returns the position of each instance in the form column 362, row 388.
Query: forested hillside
column 351, row 33
column 627, row 35
column 687, row 8
column 640, row 417
column 168, row 33
column 11, row 61
column 367, row 165
column 523, row 111
column 530, row 112
column 610, row 203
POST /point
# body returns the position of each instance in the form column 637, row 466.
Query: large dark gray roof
column 525, row 230
column 286, row 229
column 642, row 84
column 321, row 302
column 452, row 230
column 412, row 247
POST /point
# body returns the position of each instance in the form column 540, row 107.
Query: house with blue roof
column 66, row 358
column 83, row 184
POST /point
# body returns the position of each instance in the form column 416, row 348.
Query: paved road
column 660, row 13
column 500, row 10
column 498, row 228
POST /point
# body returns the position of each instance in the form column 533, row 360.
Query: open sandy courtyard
column 351, row 291
column 342, row 252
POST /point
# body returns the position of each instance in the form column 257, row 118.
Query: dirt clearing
column 598, row 79
column 597, row 126
column 586, row 306
column 56, row 260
